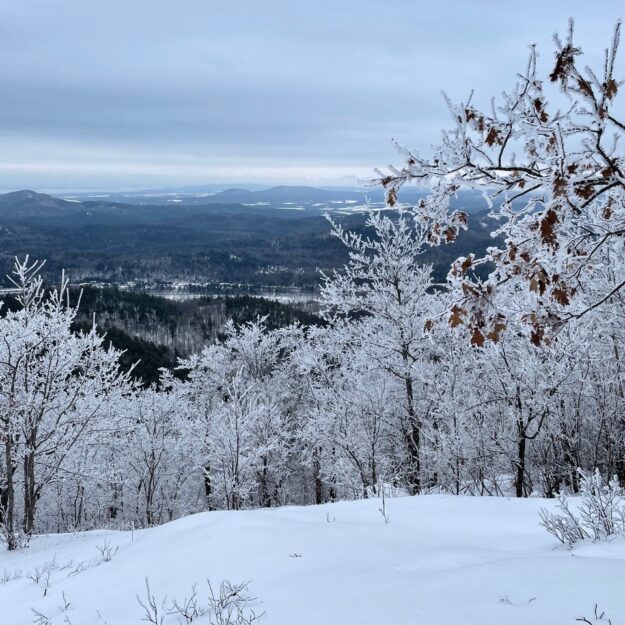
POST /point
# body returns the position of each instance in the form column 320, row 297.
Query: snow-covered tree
column 552, row 167
column 157, row 455
column 389, row 288
column 241, row 416
column 352, row 426
column 54, row 384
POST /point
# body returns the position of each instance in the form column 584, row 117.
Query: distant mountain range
column 300, row 195
column 274, row 196
column 283, row 197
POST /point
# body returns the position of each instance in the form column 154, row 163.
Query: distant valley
column 229, row 242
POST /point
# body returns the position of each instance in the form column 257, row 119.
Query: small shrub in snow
column 6, row 576
column 189, row 609
column 38, row 573
column 600, row 514
column 382, row 508
column 66, row 603
column 41, row 575
column 152, row 613
column 39, row 618
column 599, row 617
column 106, row 551
column 231, row 604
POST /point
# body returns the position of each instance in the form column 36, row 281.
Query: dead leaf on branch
column 493, row 137
column 584, row 87
column 610, row 88
column 469, row 289
column 450, row 234
column 561, row 296
column 477, row 338
column 542, row 115
column 565, row 61
column 538, row 283
column 391, row 197
column 495, row 334
column 460, row 218
column 456, row 316
column 585, row 191
column 547, row 229
column 559, row 187
column 466, row 264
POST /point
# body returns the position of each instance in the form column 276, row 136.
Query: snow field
column 440, row 560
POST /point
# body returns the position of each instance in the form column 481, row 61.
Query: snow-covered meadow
column 439, row 560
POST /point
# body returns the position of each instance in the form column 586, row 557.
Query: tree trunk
column 374, row 478
column 7, row 508
column 317, row 476
column 413, row 442
column 208, row 486
column 263, row 478
column 30, row 493
column 520, row 464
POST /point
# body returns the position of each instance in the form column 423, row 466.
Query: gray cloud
column 111, row 92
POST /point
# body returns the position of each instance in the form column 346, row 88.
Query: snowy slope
column 440, row 560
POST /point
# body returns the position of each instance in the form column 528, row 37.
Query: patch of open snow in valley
column 441, row 560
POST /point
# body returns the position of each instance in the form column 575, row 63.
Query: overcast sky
column 131, row 93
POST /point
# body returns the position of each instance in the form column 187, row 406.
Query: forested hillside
column 154, row 332
column 210, row 243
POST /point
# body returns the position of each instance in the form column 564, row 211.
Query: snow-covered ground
column 440, row 560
